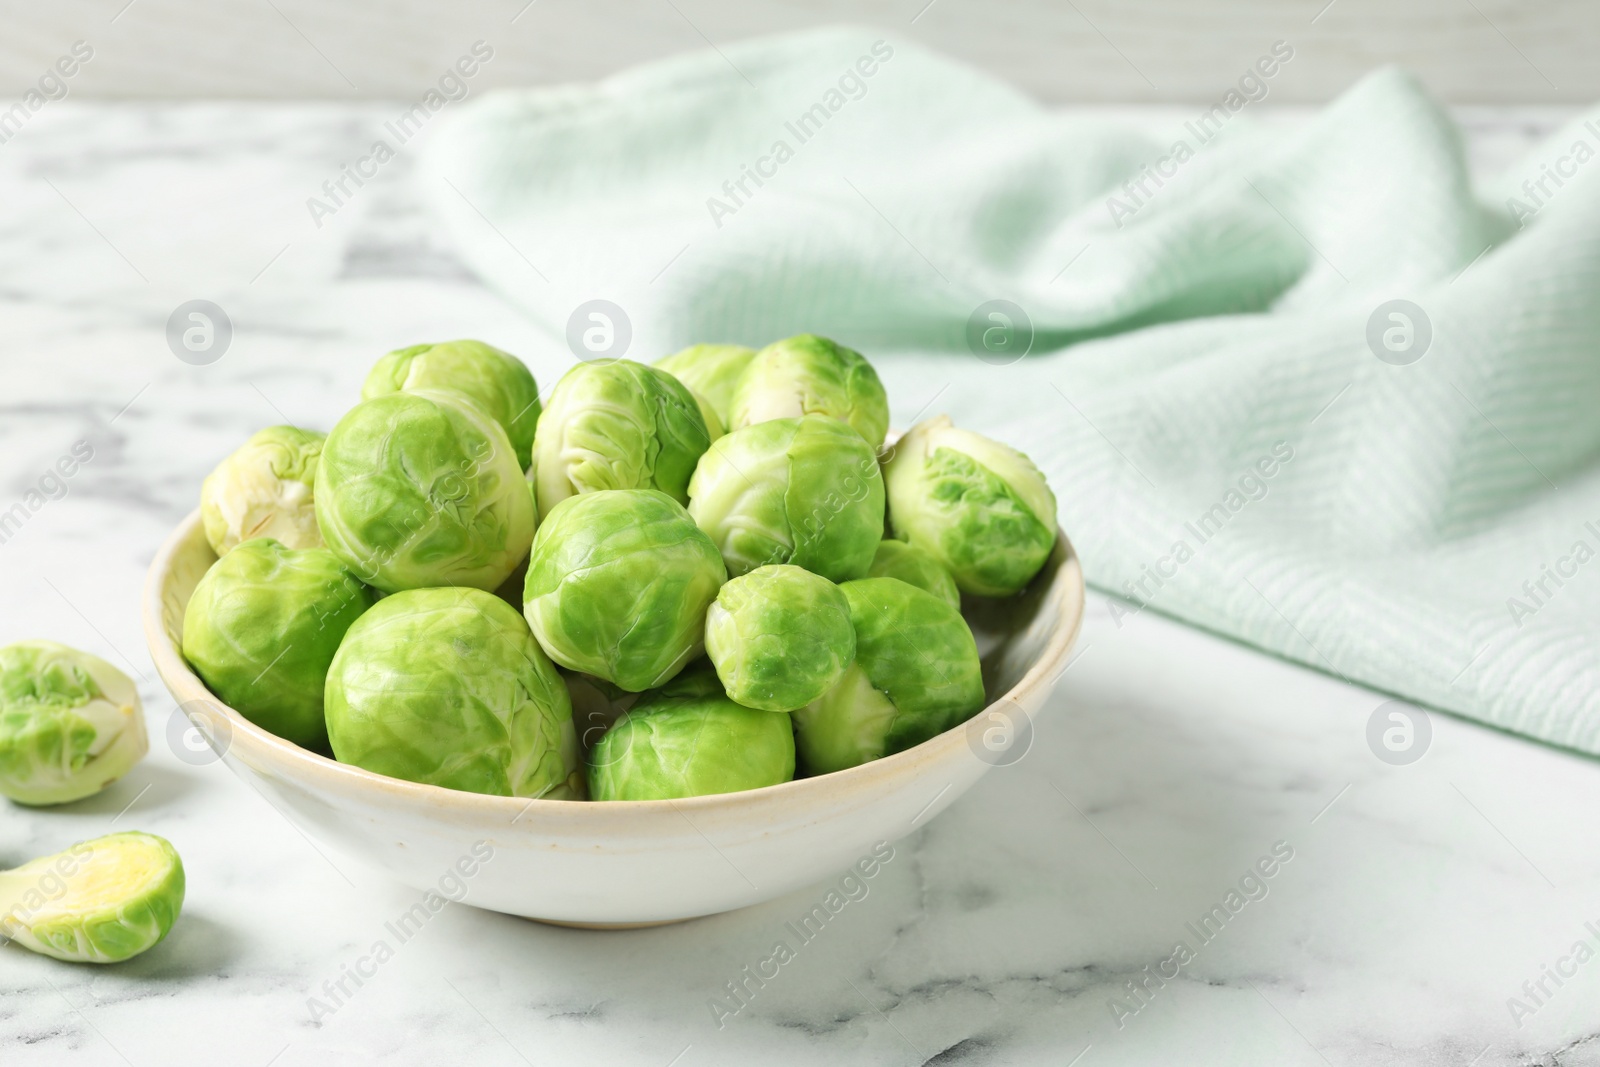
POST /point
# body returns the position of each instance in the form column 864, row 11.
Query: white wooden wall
column 1467, row 51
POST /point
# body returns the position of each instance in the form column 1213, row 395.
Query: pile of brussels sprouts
column 713, row 558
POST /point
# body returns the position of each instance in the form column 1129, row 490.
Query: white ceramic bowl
column 635, row 862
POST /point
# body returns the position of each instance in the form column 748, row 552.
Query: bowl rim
column 304, row 764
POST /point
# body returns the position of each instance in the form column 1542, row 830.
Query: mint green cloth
column 1201, row 389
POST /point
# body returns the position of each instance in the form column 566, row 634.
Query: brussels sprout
column 910, row 564
column 672, row 746
column 916, row 674
column 499, row 383
column 712, row 371
column 101, row 901
column 447, row 687
column 419, row 489
column 617, row 425
column 265, row 489
column 804, row 491
column 618, row 586
column 714, row 427
column 810, row 375
column 262, row 628
column 981, row 509
column 780, row 636
column 70, row 723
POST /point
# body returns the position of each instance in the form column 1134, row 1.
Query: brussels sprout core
column 618, row 586
column 712, row 371
column 447, row 687
column 810, row 375
column 617, row 425
column 70, row 723
column 262, row 628
column 265, row 489
column 101, row 901
column 422, row 489
column 919, row 661
column 499, row 383
column 805, row 491
column 780, row 636
column 668, row 747
column 981, row 509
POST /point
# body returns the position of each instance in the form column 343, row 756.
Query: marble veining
column 1418, row 901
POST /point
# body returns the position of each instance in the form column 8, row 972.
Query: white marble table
column 1418, row 899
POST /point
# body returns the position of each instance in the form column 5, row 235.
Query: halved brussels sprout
column 981, row 509
column 447, row 687
column 617, row 425
column 780, row 637
column 667, row 747
column 916, row 674
column 70, row 723
column 804, row 491
column 101, row 901
column 499, row 383
column 811, row 375
column 712, row 371
column 262, row 628
column 264, row 489
column 618, row 585
column 914, row 566
column 421, row 489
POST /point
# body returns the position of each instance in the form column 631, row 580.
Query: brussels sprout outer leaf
column 262, row 627
column 70, row 723
column 712, row 371
column 779, row 636
column 101, row 901
column 667, row 748
column 846, row 726
column 617, row 425
column 447, row 687
column 981, row 509
column 419, row 489
column 618, row 586
column 499, row 383
column 915, row 566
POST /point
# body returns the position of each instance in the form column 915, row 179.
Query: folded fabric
column 1312, row 390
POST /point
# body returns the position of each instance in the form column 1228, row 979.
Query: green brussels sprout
column 101, row 901
column 711, row 371
column 262, row 628
column 70, row 723
column 714, row 427
column 419, row 489
column 810, row 375
column 500, row 384
column 780, row 637
column 910, row 564
column 667, row 747
column 916, row 674
column 265, row 489
column 981, row 509
column 618, row 585
column 805, row 491
column 617, row 425
column 447, row 687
